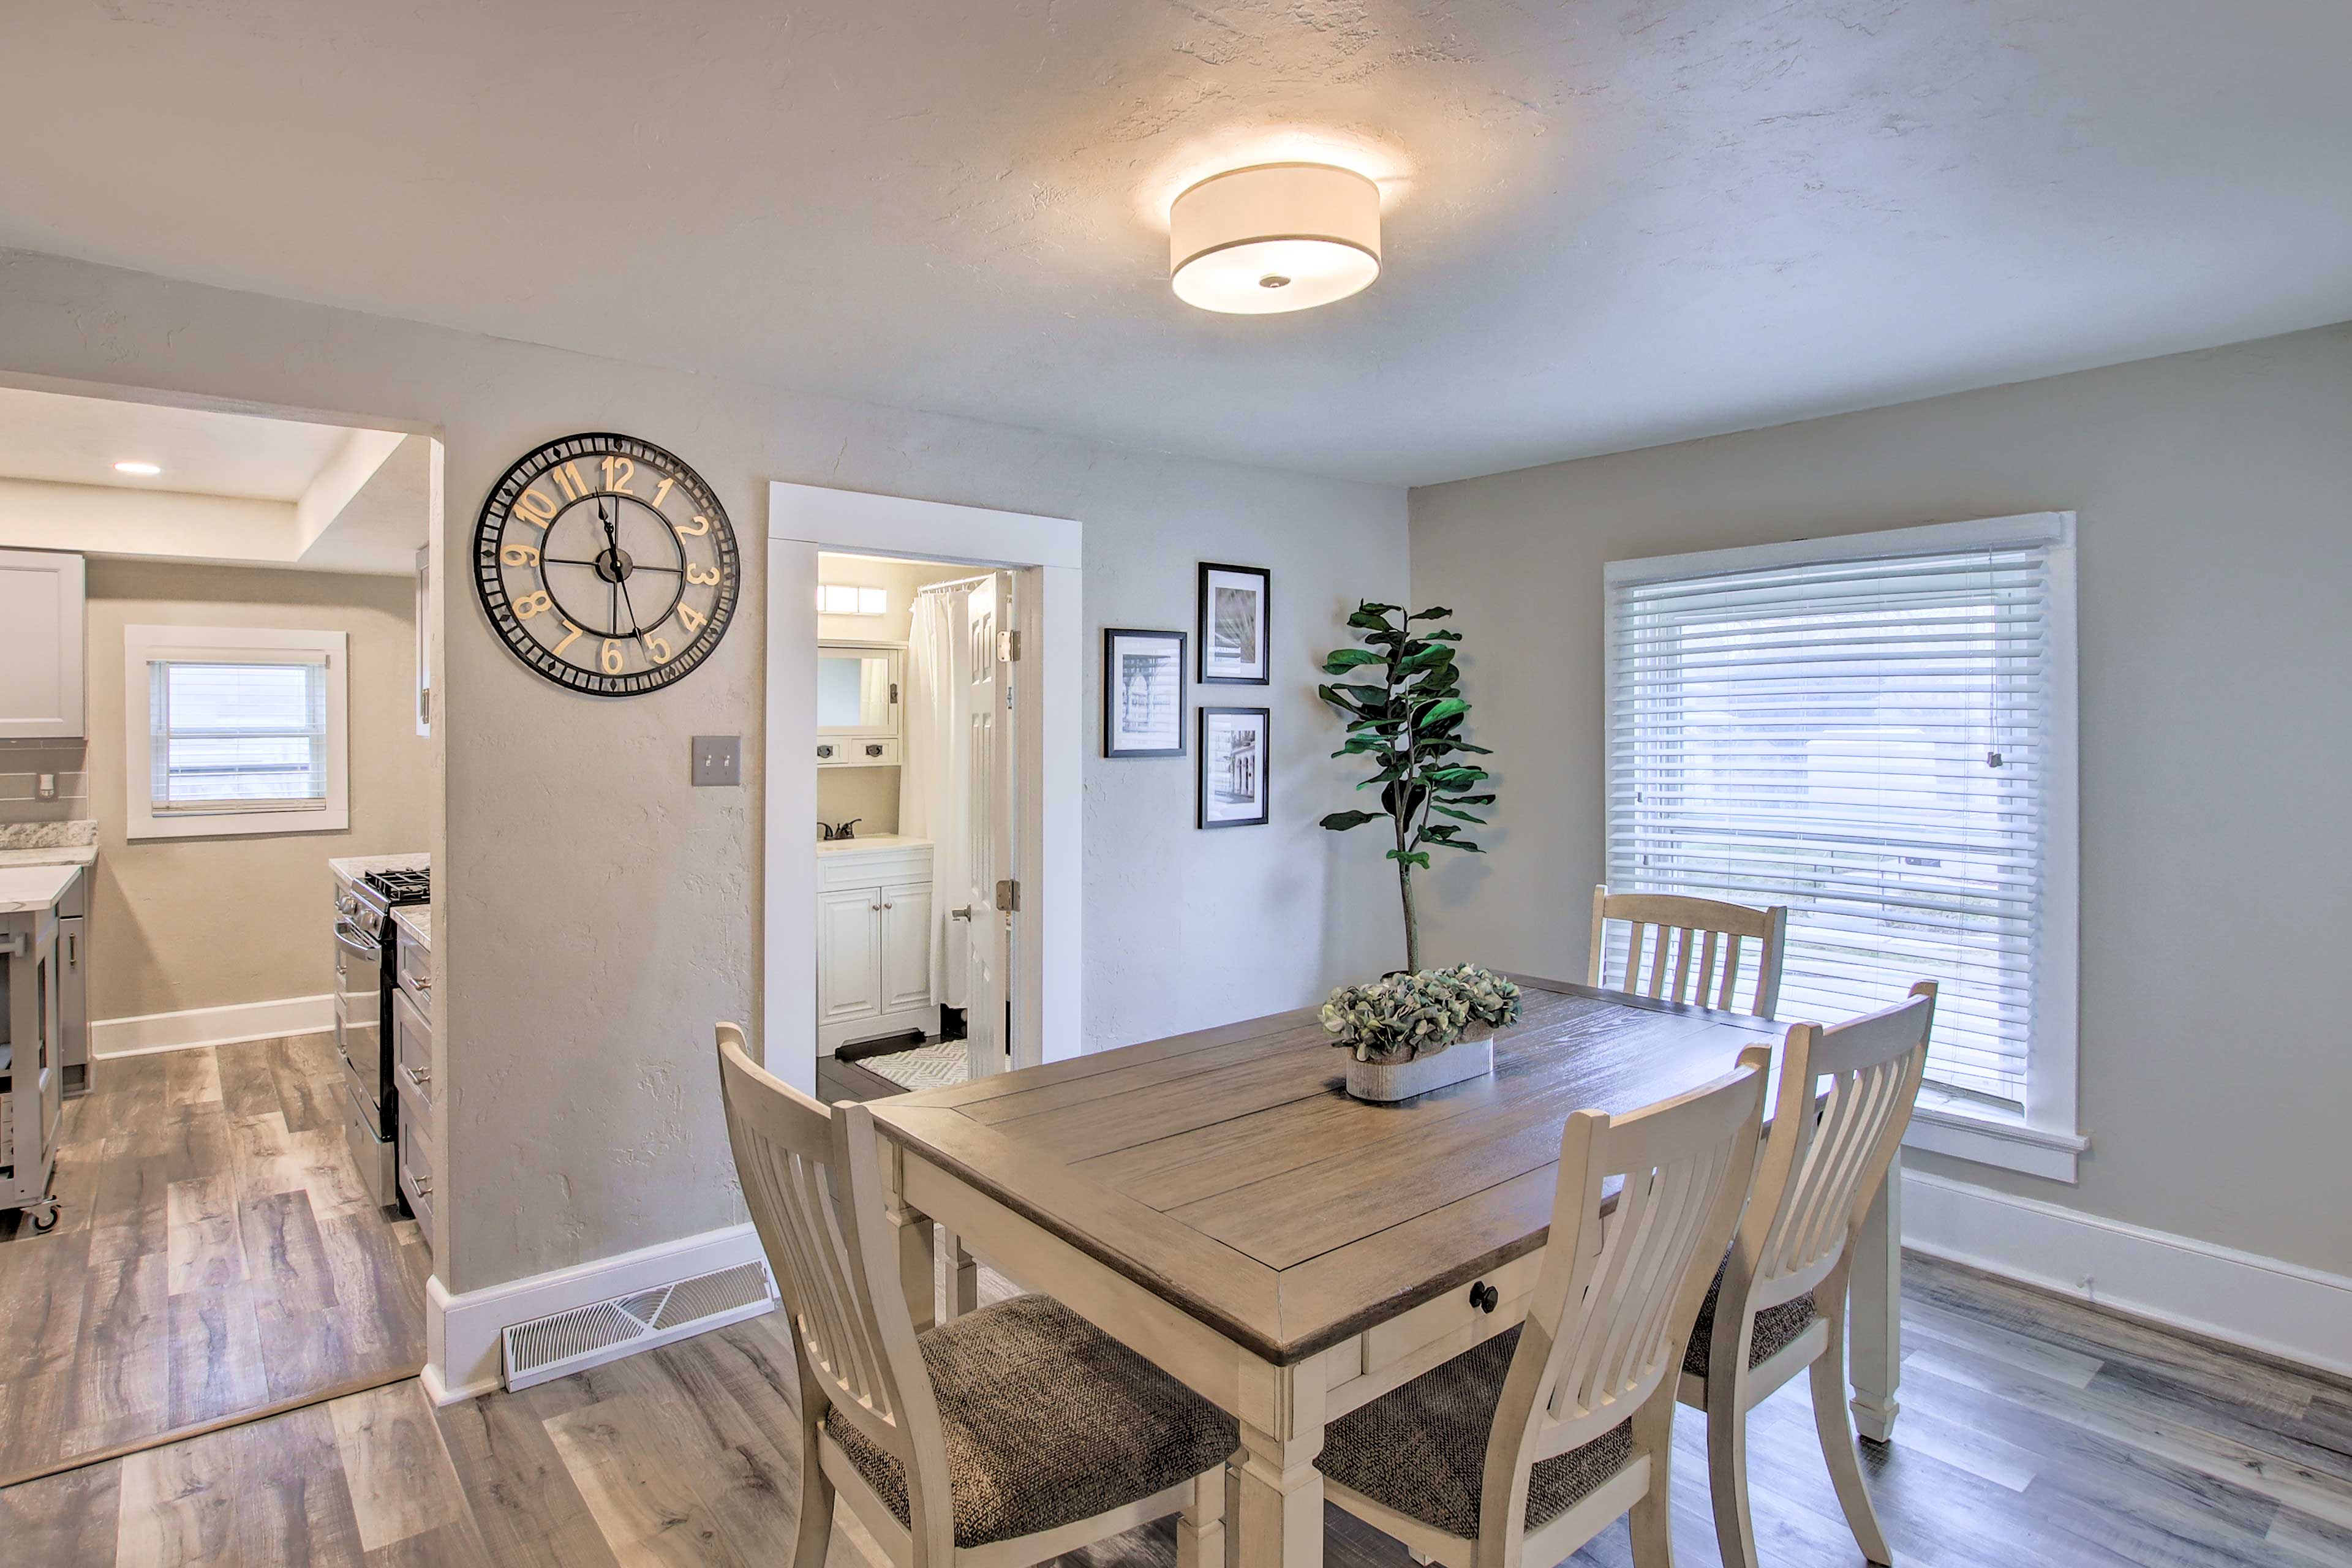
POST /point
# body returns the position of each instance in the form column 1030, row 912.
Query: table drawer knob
column 1484, row 1297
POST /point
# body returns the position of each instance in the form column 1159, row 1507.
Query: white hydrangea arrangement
column 1405, row 1015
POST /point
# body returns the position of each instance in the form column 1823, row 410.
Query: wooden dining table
column 1217, row 1202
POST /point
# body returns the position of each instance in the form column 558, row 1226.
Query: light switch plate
column 718, row 760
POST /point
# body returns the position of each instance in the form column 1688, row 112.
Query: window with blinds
column 1872, row 736
column 237, row 736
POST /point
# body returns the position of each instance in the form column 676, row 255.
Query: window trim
column 143, row 645
column 2045, row 1140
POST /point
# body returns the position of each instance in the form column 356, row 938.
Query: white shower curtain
column 933, row 803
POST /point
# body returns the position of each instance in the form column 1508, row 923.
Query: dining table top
column 1228, row 1172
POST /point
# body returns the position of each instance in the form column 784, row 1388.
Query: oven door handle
column 350, row 940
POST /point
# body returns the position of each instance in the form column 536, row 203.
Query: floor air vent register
column 588, row 1336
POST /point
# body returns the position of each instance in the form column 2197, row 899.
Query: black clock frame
column 490, row 576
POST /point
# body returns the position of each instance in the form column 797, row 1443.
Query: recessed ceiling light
column 1277, row 236
column 144, row 471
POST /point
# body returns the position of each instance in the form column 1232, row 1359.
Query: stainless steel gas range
column 366, row 892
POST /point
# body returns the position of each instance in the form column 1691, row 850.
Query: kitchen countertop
column 876, row 841
column 24, row 889
column 417, row 919
column 48, row 843
column 51, row 855
column 353, row 867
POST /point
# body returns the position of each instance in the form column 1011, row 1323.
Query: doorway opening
column 919, row 689
column 219, row 725
column 1007, row 591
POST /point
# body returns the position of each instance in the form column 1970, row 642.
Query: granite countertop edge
column 417, row 920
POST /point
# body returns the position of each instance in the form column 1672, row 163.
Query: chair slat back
column 816, row 1202
column 1619, row 1292
column 1845, row 1097
column 1668, row 926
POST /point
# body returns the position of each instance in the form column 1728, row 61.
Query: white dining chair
column 1519, row 1451
column 1779, row 1304
column 1708, row 978
column 1011, row 1435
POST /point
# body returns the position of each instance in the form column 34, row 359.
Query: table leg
column 1278, row 1492
column 1874, row 1329
column 918, row 1263
column 963, row 1277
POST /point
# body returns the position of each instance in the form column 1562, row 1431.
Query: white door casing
column 1048, row 556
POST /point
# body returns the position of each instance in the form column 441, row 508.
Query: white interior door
column 988, row 754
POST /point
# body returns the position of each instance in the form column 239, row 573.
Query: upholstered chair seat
column 1048, row 1420
column 1421, row 1450
column 1777, row 1328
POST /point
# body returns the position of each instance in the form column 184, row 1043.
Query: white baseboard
column 464, row 1350
column 195, row 1026
column 2280, row 1309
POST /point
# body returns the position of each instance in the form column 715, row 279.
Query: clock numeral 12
column 618, row 472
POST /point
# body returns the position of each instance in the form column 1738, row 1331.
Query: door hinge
column 1008, row 648
column 1008, row 896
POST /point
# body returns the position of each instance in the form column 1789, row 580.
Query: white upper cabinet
column 40, row 645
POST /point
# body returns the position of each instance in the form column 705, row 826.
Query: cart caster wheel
column 43, row 1226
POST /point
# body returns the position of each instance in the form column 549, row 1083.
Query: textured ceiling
column 1606, row 225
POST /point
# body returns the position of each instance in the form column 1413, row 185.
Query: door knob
column 1484, row 1297
column 962, row 914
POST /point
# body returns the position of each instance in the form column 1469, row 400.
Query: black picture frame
column 1263, row 772
column 1209, row 570
column 1111, row 689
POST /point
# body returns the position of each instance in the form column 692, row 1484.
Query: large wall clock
column 607, row 563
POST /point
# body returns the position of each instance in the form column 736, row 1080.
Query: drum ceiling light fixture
column 1273, row 237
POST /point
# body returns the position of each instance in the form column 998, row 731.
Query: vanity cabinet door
column 905, row 945
column 848, row 955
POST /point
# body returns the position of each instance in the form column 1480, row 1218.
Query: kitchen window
column 235, row 730
column 1878, row 731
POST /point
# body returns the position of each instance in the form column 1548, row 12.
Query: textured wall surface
column 2214, row 492
column 208, row 922
column 595, row 914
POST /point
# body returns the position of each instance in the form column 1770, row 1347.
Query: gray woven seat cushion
column 1421, row 1450
column 1048, row 1421
column 1775, row 1329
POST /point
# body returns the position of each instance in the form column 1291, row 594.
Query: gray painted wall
column 595, row 914
column 2215, row 499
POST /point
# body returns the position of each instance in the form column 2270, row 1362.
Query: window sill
column 237, row 824
column 1967, row 1130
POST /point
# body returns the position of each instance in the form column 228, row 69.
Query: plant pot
column 1472, row 1056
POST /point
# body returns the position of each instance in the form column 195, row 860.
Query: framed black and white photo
column 1234, row 766
column 1144, row 694
column 1235, row 602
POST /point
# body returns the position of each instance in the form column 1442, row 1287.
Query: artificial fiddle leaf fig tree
column 1401, row 697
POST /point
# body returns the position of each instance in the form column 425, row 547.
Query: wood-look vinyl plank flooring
column 216, row 1252
column 2035, row 1432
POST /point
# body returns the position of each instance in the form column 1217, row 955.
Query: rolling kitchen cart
column 32, row 1069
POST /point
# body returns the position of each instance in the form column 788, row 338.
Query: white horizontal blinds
column 246, row 734
column 1866, row 741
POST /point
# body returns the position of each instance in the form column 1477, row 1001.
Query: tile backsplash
column 23, row 763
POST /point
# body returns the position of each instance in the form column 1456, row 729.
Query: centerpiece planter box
column 1383, row 1081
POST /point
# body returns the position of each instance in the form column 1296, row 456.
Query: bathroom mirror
column 856, row 690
